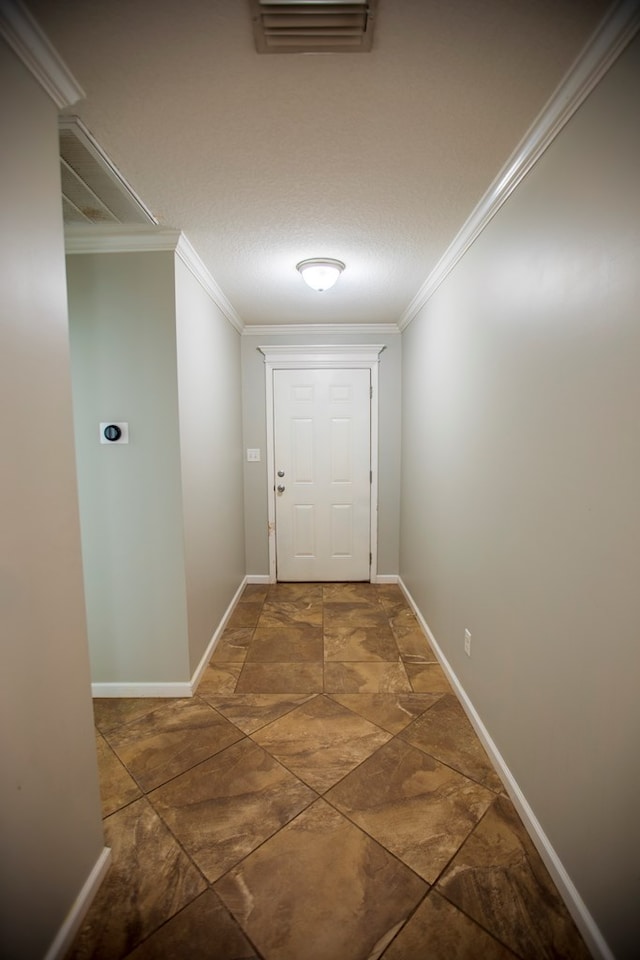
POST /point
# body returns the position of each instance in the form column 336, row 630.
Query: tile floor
column 322, row 797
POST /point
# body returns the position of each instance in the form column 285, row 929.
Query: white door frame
column 349, row 356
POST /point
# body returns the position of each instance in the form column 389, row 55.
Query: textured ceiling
column 376, row 158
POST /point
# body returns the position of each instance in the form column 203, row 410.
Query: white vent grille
column 313, row 26
column 93, row 191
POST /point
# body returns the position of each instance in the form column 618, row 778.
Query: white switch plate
column 467, row 642
column 124, row 427
column 253, row 455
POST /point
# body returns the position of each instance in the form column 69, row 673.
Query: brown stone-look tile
column 342, row 615
column 250, row 711
column 284, row 613
column 224, row 808
column 219, row 678
column 360, row 643
column 117, row 786
column 299, row 677
column 353, row 593
column 300, row 641
column 170, row 740
column 150, row 880
column 499, row 879
column 254, row 593
column 204, row 930
column 405, row 621
column 246, row 614
column 391, row 711
column 439, row 931
column 320, row 890
column 392, row 598
column 296, row 592
column 412, row 642
column 233, row 645
column 414, row 648
column 372, row 677
column 419, row 809
column 446, row 734
column 393, row 608
column 110, row 712
column 428, row 678
column 321, row 741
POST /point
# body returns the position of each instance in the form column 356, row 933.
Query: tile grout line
column 315, row 795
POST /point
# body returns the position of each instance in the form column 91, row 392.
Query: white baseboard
column 566, row 888
column 83, row 901
column 206, row 656
column 257, row 578
column 385, row 578
column 176, row 688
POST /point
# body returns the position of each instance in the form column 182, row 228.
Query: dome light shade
column 319, row 273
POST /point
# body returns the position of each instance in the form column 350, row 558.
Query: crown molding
column 117, row 238
column 37, row 53
column 192, row 261
column 611, row 37
column 319, row 329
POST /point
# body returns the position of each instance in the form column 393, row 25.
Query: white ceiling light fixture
column 320, row 273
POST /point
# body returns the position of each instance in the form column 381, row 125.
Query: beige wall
column 123, row 352
column 255, row 434
column 521, row 475
column 161, row 517
column 208, row 352
column 51, row 831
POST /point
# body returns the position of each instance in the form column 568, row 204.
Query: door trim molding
column 344, row 356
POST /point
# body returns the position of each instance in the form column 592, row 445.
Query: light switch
column 253, row 455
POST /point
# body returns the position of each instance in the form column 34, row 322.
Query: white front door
column 322, row 467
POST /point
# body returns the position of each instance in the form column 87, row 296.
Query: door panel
column 304, row 523
column 322, row 438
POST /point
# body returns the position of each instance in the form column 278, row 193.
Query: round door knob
column 280, row 488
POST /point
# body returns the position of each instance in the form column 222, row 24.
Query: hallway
column 322, row 797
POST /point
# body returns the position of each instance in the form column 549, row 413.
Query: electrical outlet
column 467, row 642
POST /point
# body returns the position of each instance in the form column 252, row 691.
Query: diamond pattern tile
column 321, row 741
column 322, row 795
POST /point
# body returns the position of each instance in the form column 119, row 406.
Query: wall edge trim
column 610, row 38
column 81, row 904
column 567, row 889
column 177, row 688
column 31, row 45
column 206, row 656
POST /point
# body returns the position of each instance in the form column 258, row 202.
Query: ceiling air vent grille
column 314, row 26
column 93, row 191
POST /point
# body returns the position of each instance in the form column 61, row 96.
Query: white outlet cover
column 124, row 434
column 253, row 455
